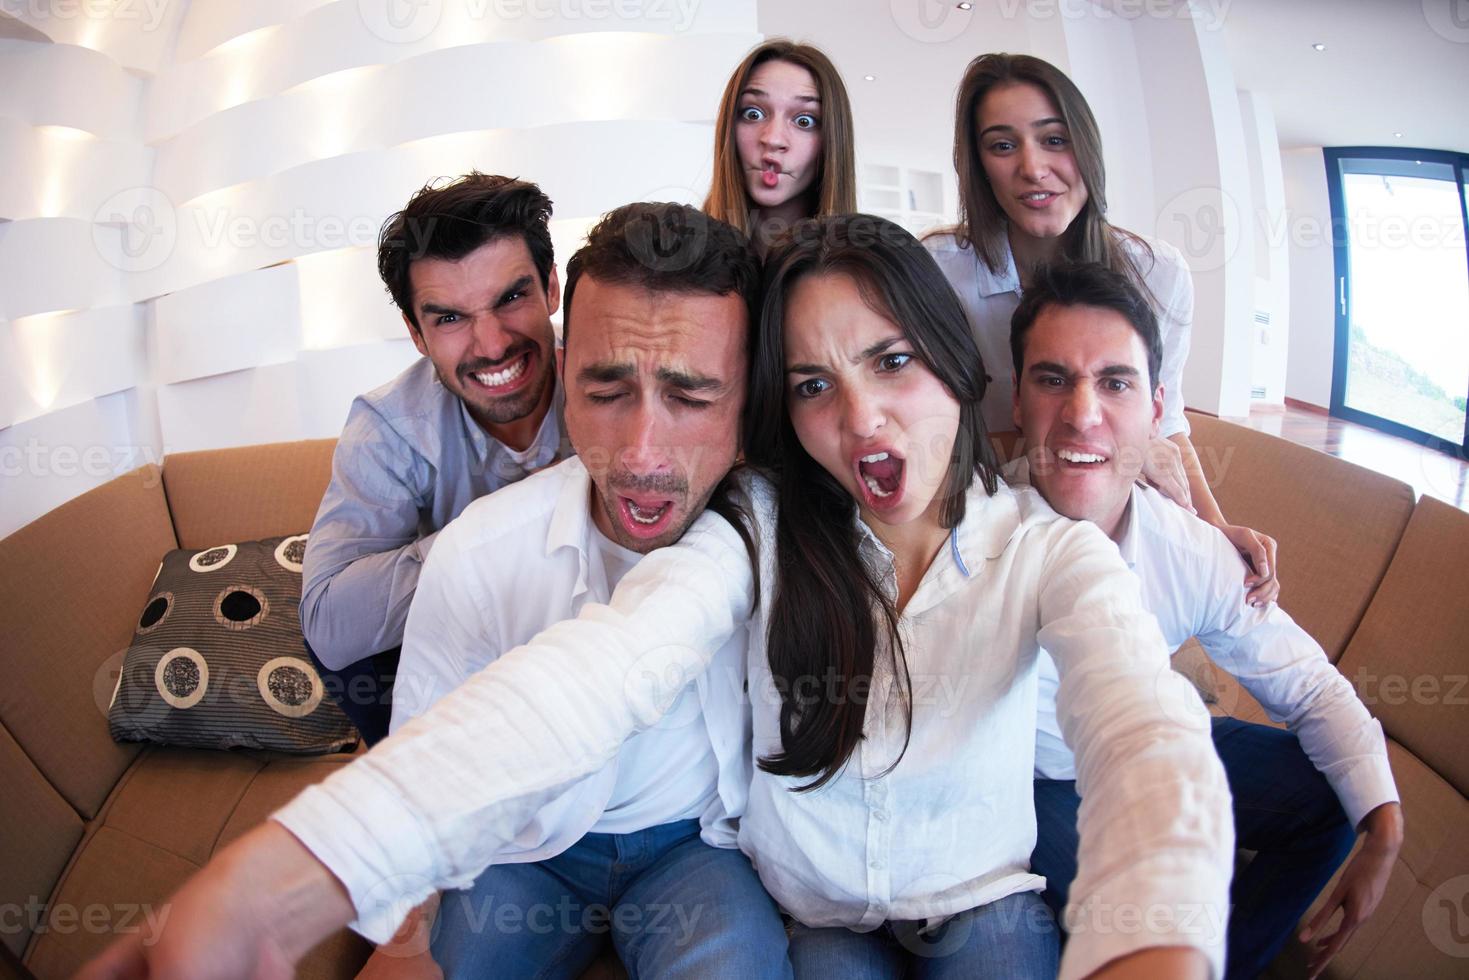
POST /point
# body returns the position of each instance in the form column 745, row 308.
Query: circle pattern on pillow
column 181, row 677
column 213, row 559
column 155, row 612
column 240, row 607
column 291, row 686
column 290, row 553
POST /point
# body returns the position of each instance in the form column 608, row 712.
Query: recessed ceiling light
column 869, row 78
column 966, row 6
column 1398, row 135
column 1319, row 47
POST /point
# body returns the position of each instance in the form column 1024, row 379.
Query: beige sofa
column 96, row 834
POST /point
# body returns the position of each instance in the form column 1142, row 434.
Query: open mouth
column 505, row 378
column 770, row 174
column 1078, row 459
column 881, row 477
column 1038, row 199
column 645, row 518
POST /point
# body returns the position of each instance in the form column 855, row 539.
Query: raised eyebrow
column 604, row 373
column 760, row 93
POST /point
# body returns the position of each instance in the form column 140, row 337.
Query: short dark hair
column 1086, row 284
column 669, row 248
column 452, row 220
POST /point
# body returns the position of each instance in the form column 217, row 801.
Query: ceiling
column 1390, row 66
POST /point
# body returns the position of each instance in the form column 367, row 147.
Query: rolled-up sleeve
column 431, row 805
column 364, row 553
column 1156, row 831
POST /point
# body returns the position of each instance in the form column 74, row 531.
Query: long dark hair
column 829, row 613
column 982, row 222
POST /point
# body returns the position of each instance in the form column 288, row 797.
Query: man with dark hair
column 654, row 366
column 470, row 266
column 1086, row 352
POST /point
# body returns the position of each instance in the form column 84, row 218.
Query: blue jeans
column 674, row 906
column 363, row 690
column 1015, row 937
column 1284, row 810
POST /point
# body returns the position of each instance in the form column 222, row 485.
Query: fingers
column 1319, row 920
column 1264, row 594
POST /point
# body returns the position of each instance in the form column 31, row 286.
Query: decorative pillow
column 218, row 662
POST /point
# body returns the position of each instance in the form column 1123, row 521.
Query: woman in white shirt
column 892, row 661
column 1032, row 190
column 782, row 142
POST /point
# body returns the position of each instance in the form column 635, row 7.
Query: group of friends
column 722, row 628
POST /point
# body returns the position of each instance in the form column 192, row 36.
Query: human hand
column 1258, row 551
column 1360, row 888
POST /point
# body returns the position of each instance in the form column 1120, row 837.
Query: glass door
column 1402, row 292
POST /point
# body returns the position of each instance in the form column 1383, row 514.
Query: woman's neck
column 914, row 546
column 1030, row 252
column 766, row 223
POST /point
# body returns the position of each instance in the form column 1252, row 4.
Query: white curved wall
column 194, row 192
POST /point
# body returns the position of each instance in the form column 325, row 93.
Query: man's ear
column 1015, row 402
column 1157, row 411
column 416, row 335
column 553, row 292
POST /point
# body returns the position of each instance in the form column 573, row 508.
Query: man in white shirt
column 654, row 368
column 1085, row 347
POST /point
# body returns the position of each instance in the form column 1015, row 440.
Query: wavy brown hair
column 836, row 192
column 830, row 617
column 982, row 222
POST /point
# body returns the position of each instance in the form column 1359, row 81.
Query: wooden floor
column 1426, row 470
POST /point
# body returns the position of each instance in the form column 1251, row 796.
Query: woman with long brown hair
column 892, row 665
column 782, row 142
column 1032, row 190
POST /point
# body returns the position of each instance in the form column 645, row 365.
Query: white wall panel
column 241, row 321
column 381, row 106
column 211, row 23
column 51, row 264
column 343, row 301
column 56, row 360
column 62, row 85
column 59, row 172
column 51, row 459
column 133, row 33
column 353, row 33
column 342, row 202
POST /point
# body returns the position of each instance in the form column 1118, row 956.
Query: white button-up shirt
column 431, row 806
column 1193, row 581
column 522, row 559
column 952, row 825
column 989, row 299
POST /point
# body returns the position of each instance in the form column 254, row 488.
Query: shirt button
column 877, row 864
column 879, row 814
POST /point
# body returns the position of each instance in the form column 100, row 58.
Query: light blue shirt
column 409, row 460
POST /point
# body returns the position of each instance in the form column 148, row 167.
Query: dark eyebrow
column 872, row 351
column 1048, row 367
column 438, row 310
column 687, row 381
column 762, row 94
column 604, row 373
column 518, row 286
column 1118, row 371
column 1010, row 129
column 1110, row 371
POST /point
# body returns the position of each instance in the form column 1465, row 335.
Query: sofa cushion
column 41, row 831
column 167, row 817
column 1412, row 933
column 1336, row 522
column 246, row 493
column 218, row 660
column 71, row 585
column 1409, row 660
